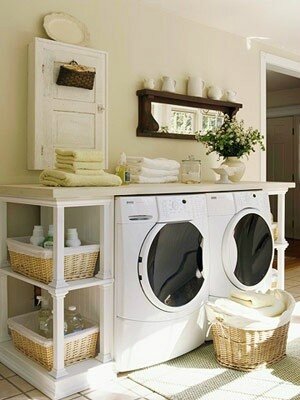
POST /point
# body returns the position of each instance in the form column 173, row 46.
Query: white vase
column 235, row 162
column 168, row 84
column 195, row 86
column 214, row 92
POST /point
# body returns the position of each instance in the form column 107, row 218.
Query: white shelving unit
column 281, row 244
column 63, row 381
column 66, row 380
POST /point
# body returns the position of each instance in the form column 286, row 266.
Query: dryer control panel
column 180, row 208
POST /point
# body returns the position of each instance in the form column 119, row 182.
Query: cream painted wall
column 280, row 98
column 141, row 41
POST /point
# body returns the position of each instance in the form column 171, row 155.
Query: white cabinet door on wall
column 63, row 116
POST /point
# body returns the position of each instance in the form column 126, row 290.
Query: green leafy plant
column 231, row 139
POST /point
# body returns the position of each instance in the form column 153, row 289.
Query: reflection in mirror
column 185, row 120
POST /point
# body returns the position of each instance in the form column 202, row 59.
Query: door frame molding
column 282, row 65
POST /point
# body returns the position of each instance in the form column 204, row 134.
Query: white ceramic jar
column 72, row 238
column 195, row 86
column 231, row 95
column 37, row 238
column 149, row 83
column 214, row 92
column 168, row 84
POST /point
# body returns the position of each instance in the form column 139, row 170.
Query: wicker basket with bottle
column 37, row 262
column 78, row 346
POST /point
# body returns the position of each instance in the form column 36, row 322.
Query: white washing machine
column 162, row 281
column 241, row 242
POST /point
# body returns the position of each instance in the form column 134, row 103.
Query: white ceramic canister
column 231, row 95
column 72, row 238
column 195, row 86
column 214, row 92
column 149, row 83
column 168, row 84
column 37, row 238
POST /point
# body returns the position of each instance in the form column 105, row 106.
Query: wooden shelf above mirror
column 148, row 126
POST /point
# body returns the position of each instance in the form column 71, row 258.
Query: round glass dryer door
column 248, row 249
column 171, row 265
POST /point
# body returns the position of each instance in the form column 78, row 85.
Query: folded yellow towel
column 52, row 177
column 252, row 299
column 88, row 172
column 79, row 165
column 80, row 155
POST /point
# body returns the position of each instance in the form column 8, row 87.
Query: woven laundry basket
column 245, row 343
column 246, row 350
column 37, row 262
column 79, row 346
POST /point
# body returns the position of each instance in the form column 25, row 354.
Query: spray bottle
column 43, row 315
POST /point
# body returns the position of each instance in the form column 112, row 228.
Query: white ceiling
column 276, row 21
column 277, row 81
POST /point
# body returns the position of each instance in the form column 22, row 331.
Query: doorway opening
column 280, row 124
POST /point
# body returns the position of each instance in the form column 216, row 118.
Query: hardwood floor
column 292, row 259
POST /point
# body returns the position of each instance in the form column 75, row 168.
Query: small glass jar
column 191, row 170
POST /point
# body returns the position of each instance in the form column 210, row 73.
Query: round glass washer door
column 171, row 266
column 248, row 249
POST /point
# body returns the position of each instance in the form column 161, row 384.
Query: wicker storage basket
column 76, row 75
column 79, row 346
column 37, row 262
column 246, row 350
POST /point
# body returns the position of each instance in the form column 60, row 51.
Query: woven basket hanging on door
column 76, row 75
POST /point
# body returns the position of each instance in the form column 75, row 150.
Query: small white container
column 195, row 86
column 149, row 83
column 37, row 238
column 168, row 84
column 214, row 92
column 231, row 95
column 72, row 238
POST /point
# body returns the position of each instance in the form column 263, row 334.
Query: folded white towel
column 150, row 172
column 155, row 163
column 264, row 318
column 252, row 299
column 158, row 179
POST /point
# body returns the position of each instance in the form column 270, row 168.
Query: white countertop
column 60, row 193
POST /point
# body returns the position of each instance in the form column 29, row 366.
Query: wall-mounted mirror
column 183, row 120
column 177, row 116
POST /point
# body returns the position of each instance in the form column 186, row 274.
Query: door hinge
column 293, row 131
column 42, row 150
column 293, row 177
column 293, row 224
column 43, row 68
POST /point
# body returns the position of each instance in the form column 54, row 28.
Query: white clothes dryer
column 161, row 259
column 241, row 242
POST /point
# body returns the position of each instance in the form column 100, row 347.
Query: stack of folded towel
column 78, row 168
column 157, row 170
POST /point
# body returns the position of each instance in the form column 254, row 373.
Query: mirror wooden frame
column 148, row 126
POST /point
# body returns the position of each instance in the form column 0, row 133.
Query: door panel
column 280, row 163
column 171, row 265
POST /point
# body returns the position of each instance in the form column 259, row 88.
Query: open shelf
column 71, row 285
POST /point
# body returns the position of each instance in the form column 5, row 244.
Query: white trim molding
column 283, row 111
column 277, row 64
